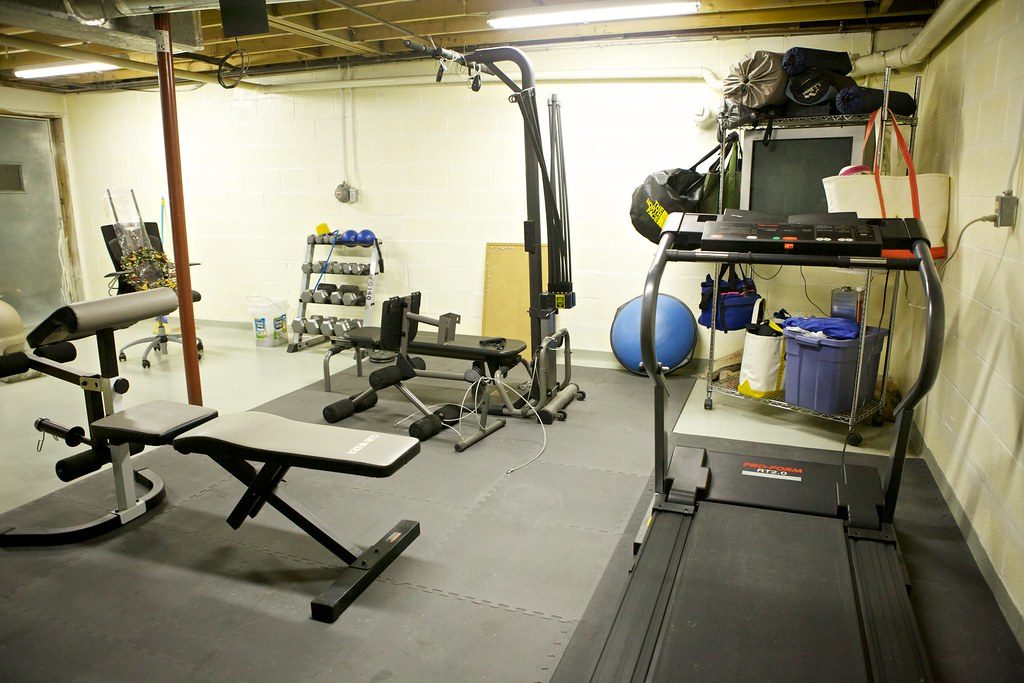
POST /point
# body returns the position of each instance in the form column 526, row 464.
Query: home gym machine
column 759, row 568
column 491, row 359
column 234, row 442
column 544, row 305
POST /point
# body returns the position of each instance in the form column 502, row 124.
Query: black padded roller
column 339, row 410
column 426, row 427
column 79, row 465
column 61, row 352
column 385, row 377
column 13, row 364
column 367, row 403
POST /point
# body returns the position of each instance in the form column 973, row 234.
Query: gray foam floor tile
column 516, row 562
column 549, row 493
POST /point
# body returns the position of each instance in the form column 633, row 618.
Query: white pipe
column 946, row 18
column 565, row 76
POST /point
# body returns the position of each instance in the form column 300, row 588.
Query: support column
column 172, row 150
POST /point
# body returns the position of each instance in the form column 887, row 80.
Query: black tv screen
column 785, row 176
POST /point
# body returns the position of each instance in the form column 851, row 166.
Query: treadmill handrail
column 649, row 310
column 935, row 327
column 819, row 260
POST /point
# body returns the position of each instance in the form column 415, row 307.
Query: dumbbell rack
column 341, row 253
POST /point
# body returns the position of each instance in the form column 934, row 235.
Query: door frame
column 58, row 147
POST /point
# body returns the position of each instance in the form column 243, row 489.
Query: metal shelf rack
column 372, row 252
column 873, row 407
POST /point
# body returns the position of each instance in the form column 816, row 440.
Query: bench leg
column 329, row 605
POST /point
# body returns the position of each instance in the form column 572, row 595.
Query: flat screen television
column 785, row 175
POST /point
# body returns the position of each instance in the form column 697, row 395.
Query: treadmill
column 755, row 568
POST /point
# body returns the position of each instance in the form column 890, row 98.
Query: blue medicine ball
column 675, row 333
column 349, row 238
column 366, row 237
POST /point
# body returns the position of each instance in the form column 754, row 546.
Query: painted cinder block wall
column 440, row 170
column 973, row 100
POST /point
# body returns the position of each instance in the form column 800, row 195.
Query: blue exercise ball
column 675, row 333
column 349, row 238
column 366, row 237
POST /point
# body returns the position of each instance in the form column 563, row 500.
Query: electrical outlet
column 1006, row 210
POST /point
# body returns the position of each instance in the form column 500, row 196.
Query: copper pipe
column 172, row 150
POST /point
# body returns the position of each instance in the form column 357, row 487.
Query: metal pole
column 172, row 151
column 913, row 123
column 883, row 118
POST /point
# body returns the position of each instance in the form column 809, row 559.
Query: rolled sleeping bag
column 816, row 86
column 757, row 80
column 799, row 59
column 857, row 100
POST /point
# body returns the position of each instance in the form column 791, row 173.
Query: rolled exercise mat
column 858, row 100
column 799, row 59
column 816, row 86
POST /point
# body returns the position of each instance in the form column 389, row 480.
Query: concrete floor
column 238, row 375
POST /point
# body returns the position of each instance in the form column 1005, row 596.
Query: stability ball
column 675, row 333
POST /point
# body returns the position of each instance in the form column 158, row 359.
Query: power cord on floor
column 544, row 431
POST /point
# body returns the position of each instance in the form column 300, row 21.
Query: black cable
column 807, row 294
column 224, row 69
column 885, row 294
column 764, row 277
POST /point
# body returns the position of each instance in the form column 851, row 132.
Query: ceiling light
column 65, row 69
column 583, row 14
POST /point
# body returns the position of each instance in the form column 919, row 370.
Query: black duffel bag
column 677, row 190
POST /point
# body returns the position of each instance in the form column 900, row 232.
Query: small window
column 10, row 178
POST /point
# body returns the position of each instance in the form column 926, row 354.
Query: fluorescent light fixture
column 64, row 69
column 584, row 14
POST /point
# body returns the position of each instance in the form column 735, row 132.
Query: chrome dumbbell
column 327, row 326
column 313, row 324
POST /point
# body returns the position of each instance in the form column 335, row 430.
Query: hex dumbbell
column 306, row 297
column 298, row 325
column 327, row 326
column 353, row 299
column 313, row 324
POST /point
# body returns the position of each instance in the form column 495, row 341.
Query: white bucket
column 269, row 320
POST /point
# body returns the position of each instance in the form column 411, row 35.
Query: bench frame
column 364, row 565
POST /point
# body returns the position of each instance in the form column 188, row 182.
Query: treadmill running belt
column 762, row 595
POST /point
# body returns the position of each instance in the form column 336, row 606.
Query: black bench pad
column 262, row 437
column 463, row 347
column 155, row 423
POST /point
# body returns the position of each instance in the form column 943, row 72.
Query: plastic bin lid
column 805, row 340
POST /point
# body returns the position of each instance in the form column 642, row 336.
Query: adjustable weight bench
column 232, row 441
column 235, row 441
column 491, row 358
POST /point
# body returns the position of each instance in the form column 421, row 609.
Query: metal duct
column 85, row 21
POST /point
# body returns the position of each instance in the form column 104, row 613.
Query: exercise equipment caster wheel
column 121, row 357
column 560, row 415
column 146, row 364
column 854, row 439
column 581, row 395
column 708, row 403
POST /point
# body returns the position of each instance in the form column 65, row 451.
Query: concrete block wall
column 440, row 171
column 973, row 101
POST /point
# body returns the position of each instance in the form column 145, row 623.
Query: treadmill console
column 851, row 239
column 835, row 234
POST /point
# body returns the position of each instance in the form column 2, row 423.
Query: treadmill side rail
column 895, row 649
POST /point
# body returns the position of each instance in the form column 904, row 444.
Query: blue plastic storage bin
column 821, row 373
